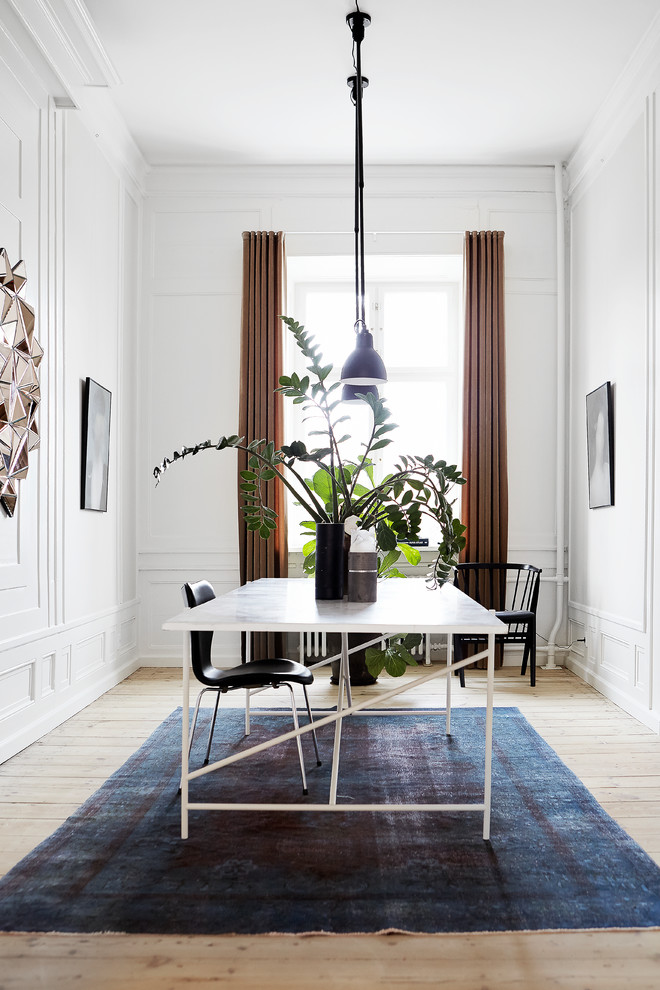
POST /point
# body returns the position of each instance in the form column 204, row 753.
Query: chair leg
column 296, row 725
column 530, row 653
column 523, row 666
column 458, row 655
column 212, row 729
column 309, row 712
column 194, row 721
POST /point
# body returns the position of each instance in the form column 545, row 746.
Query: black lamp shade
column 364, row 366
column 356, row 393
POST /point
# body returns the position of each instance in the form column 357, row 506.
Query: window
column 414, row 313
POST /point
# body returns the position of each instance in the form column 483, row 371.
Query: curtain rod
column 374, row 233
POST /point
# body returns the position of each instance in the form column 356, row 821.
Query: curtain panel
column 485, row 509
column 260, row 407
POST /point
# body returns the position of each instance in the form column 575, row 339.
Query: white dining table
column 289, row 605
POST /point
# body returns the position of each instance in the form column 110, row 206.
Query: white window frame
column 388, row 273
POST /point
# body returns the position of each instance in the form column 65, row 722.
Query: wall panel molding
column 617, row 620
column 70, row 217
column 47, row 678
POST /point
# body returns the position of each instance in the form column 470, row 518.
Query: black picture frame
column 95, row 461
column 600, row 446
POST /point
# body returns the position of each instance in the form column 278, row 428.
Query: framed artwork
column 95, row 446
column 600, row 446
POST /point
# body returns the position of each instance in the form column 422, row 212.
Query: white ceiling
column 451, row 81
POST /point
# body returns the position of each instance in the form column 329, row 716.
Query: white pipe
column 561, row 412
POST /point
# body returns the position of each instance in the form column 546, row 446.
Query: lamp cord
column 360, row 281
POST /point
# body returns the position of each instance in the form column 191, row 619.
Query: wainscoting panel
column 614, row 659
column 88, row 656
column 16, row 689
column 44, row 680
column 161, row 577
column 47, row 675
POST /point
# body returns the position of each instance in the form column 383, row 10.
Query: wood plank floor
column 617, row 758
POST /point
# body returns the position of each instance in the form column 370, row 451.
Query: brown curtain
column 485, row 496
column 260, row 407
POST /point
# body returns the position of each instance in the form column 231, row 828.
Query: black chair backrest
column 200, row 642
column 510, row 587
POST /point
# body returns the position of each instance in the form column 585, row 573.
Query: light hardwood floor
column 617, row 758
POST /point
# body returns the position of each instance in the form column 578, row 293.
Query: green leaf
column 386, row 537
column 394, row 664
column 388, row 560
column 412, row 554
column 375, row 660
column 309, row 547
column 322, row 482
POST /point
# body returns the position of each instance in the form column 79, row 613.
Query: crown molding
column 64, row 34
column 108, row 128
column 625, row 102
column 337, row 180
column 57, row 42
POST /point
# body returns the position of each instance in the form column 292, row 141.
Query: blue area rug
column 555, row 859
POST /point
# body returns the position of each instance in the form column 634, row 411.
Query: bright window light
column 414, row 311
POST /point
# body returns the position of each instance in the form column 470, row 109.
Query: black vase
column 329, row 568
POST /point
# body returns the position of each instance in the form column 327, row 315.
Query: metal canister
column 362, row 577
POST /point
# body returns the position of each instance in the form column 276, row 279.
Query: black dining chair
column 248, row 676
column 512, row 590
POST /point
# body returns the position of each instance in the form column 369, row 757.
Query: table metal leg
column 450, row 657
column 490, row 683
column 185, row 722
column 344, row 686
column 248, row 657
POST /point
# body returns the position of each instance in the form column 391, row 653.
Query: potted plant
column 341, row 488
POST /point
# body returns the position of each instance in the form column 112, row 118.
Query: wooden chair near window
column 512, row 590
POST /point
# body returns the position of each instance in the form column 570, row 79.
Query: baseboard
column 647, row 717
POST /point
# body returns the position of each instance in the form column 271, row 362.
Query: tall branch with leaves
column 418, row 488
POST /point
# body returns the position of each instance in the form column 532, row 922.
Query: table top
column 288, row 605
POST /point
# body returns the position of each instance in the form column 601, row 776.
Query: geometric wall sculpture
column 20, row 357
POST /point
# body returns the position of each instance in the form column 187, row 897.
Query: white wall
column 614, row 228
column 68, row 606
column 191, row 323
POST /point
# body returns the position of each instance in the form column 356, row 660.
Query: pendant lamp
column 364, row 366
column 356, row 393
